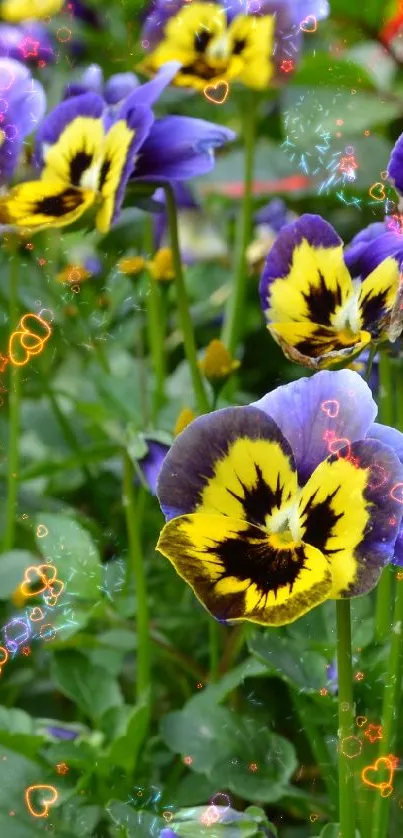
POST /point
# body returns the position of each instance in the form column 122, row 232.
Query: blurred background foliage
column 256, row 735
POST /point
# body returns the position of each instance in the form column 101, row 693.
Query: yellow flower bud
column 73, row 274
column 18, row 598
column 184, row 419
column 132, row 265
column 218, row 362
column 161, row 266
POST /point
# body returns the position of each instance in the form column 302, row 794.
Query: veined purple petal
column 395, row 165
column 180, row 147
column 316, row 413
column 148, row 93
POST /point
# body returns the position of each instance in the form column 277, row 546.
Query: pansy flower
column 315, row 309
column 30, row 43
column 22, row 106
column 373, row 244
column 275, row 507
column 16, row 11
column 255, row 43
column 88, row 151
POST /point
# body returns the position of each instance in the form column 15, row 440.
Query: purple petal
column 120, row 86
column 395, row 165
column 151, row 463
column 313, row 229
column 180, row 147
column 22, row 105
column 148, row 93
column 30, row 42
column 89, row 104
column 274, row 214
column 62, row 733
column 140, row 119
column 389, row 436
column 370, row 247
column 313, row 413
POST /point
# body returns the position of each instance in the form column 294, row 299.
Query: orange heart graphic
column 39, row 799
column 309, row 24
column 55, row 589
column 217, row 93
column 36, row 615
column 377, row 191
column 24, row 338
column 34, row 581
column 371, row 775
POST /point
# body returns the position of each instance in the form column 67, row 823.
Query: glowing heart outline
column 46, row 804
column 213, row 87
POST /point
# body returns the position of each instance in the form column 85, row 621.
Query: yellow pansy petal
column 317, row 346
column 16, row 11
column 380, row 300
column 38, row 203
column 349, row 510
column 116, row 159
column 239, row 572
column 76, row 157
column 252, row 40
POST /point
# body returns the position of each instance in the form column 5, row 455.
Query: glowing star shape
column 287, row 65
column 29, row 47
column 373, row 732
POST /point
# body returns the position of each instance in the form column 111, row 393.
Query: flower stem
column 386, row 416
column 346, row 717
column 390, row 709
column 214, row 648
column 372, row 352
column 235, row 311
column 156, row 335
column 14, row 411
column 136, row 572
column 183, row 303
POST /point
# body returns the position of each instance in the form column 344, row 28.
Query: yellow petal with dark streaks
column 252, row 40
column 380, row 302
column 76, row 157
column 317, row 346
column 116, row 147
column 38, row 203
column 240, row 572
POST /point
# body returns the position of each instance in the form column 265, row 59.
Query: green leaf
column 323, row 70
column 125, row 749
column 89, row 686
column 217, row 692
column 237, row 753
column 214, row 821
column 74, row 553
column 12, row 569
column 16, row 774
column 332, row 830
column 283, row 658
column 137, row 824
column 372, row 12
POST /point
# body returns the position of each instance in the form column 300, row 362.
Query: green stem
column 317, row 744
column 386, row 416
column 346, row 717
column 156, row 337
column 14, row 411
column 183, row 303
column 136, row 572
column 372, row 352
column 214, row 648
column 390, row 710
column 235, row 311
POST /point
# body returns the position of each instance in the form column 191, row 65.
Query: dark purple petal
column 84, row 12
column 313, row 413
column 140, row 119
column 370, row 247
column 388, row 436
column 274, row 214
column 89, row 104
column 62, row 733
column 313, row 229
column 22, row 106
column 151, row 463
column 180, row 147
column 395, row 165
column 195, row 454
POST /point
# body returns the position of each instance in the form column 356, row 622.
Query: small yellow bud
column 132, row 265
column 218, row 362
column 18, row 598
column 161, row 267
column 184, row 419
column 73, row 274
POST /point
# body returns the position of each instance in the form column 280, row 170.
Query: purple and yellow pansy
column 317, row 312
column 254, row 43
column 276, row 507
column 87, row 150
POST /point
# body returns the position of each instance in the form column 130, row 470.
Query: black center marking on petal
column 321, row 342
column 322, row 301
column 260, row 500
column 373, row 308
column 201, row 41
column 78, row 165
column 201, row 70
column 239, row 46
column 319, row 521
column 106, row 165
column 247, row 558
column 59, row 205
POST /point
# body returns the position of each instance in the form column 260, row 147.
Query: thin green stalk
column 235, row 310
column 156, row 337
column 346, row 717
column 317, row 744
column 390, row 710
column 183, row 303
column 386, row 416
column 372, row 352
column 14, row 411
column 136, row 573
column 214, row 648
